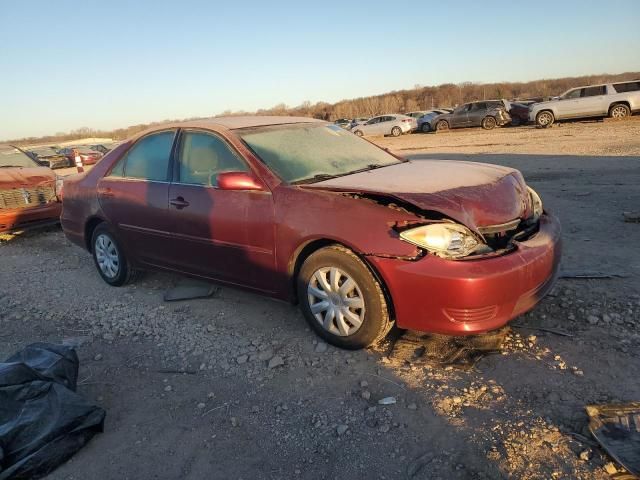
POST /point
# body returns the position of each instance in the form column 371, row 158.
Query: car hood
column 25, row 176
column 474, row 194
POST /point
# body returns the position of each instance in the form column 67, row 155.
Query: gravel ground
column 236, row 386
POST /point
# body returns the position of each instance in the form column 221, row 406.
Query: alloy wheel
column 336, row 301
column 619, row 111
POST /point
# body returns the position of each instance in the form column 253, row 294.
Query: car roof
column 234, row 123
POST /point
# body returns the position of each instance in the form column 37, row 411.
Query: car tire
column 489, row 123
column 109, row 258
column 425, row 128
column 442, row 126
column 515, row 122
column 322, row 312
column 396, row 131
column 619, row 110
column 545, row 119
column 358, row 133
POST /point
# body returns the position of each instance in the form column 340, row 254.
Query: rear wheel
column 426, row 128
column 619, row 111
column 442, row 125
column 358, row 133
column 545, row 119
column 489, row 123
column 396, row 131
column 341, row 299
column 110, row 260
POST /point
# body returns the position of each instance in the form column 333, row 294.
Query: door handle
column 107, row 192
column 179, row 203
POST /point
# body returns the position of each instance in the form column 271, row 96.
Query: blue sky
column 106, row 64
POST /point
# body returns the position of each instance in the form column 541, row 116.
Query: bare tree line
column 417, row 98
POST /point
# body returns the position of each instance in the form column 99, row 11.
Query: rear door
column 134, row 197
column 477, row 111
column 593, row 101
column 226, row 235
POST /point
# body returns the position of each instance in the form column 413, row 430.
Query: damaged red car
column 28, row 192
column 303, row 210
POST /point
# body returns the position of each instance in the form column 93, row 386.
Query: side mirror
column 239, row 181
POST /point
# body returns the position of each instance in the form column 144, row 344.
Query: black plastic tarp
column 43, row 421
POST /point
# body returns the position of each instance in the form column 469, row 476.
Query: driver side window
column 203, row 156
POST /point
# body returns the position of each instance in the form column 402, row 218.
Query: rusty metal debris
column 463, row 352
column 616, row 427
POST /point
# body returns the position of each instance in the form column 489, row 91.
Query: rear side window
column 203, row 156
column 627, row 87
column 594, row 91
column 148, row 159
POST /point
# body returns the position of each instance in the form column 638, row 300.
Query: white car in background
column 616, row 100
column 390, row 124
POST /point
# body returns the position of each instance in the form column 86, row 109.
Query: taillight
column 406, row 120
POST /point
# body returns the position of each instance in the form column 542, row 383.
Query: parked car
column 394, row 125
column 88, row 156
column 616, row 100
column 424, row 124
column 519, row 112
column 343, row 122
column 417, row 114
column 48, row 157
column 358, row 121
column 28, row 191
column 103, row 148
column 486, row 114
column 302, row 210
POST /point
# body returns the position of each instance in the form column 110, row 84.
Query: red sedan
column 28, row 192
column 87, row 156
column 305, row 211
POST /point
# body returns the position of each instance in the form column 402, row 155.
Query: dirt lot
column 189, row 392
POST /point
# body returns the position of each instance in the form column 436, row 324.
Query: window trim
column 123, row 158
column 175, row 168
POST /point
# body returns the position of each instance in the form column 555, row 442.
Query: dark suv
column 486, row 114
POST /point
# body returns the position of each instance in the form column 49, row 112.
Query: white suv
column 615, row 100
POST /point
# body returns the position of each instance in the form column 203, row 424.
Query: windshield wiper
column 316, row 178
column 371, row 166
column 11, row 166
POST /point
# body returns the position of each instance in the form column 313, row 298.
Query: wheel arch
column 619, row 102
column 306, row 249
column 89, row 228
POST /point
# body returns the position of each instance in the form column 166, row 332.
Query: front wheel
column 396, row 131
column 545, row 119
column 341, row 299
column 426, row 128
column 619, row 111
column 110, row 260
column 489, row 123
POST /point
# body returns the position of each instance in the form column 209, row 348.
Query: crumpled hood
column 474, row 194
column 16, row 177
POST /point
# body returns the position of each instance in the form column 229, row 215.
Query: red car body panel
column 37, row 184
column 252, row 238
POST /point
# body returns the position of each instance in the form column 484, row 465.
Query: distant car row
column 55, row 157
column 616, row 100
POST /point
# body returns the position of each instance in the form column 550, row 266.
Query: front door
column 134, row 197
column 220, row 234
column 459, row 116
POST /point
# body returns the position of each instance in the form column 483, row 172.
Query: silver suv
column 616, row 100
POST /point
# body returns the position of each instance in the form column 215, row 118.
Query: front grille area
column 471, row 315
column 26, row 197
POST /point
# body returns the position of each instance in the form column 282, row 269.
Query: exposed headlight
column 447, row 240
column 536, row 204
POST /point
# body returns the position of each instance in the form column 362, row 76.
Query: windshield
column 306, row 151
column 12, row 157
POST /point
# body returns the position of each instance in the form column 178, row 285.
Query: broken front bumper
column 472, row 296
column 24, row 218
